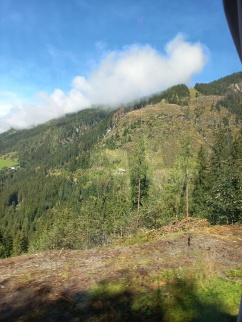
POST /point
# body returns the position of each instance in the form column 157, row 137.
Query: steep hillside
column 187, row 271
column 89, row 178
column 56, row 142
column 164, row 127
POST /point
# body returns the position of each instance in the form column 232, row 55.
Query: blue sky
column 60, row 56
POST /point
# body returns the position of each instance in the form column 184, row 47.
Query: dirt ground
column 61, row 278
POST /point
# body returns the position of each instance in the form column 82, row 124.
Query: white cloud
column 120, row 77
column 4, row 109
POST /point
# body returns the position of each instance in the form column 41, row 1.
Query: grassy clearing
column 6, row 163
column 8, row 160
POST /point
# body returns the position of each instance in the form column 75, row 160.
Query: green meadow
column 8, row 160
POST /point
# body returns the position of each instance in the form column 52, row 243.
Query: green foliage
column 176, row 195
column 20, row 243
column 6, row 244
column 68, row 190
column 218, row 87
column 181, row 297
column 172, row 195
column 201, row 185
column 235, row 273
column 58, row 142
column 232, row 102
column 8, row 160
column 178, row 94
column 138, row 175
column 219, row 182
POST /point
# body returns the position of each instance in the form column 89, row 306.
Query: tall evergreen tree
column 224, row 194
column 201, row 185
column 236, row 179
column 187, row 165
column 20, row 243
column 138, row 176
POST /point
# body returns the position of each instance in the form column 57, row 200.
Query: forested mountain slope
column 89, row 178
column 221, row 86
column 54, row 143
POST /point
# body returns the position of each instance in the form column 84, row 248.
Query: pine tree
column 138, row 176
column 201, row 185
column 187, row 165
column 225, row 186
column 218, row 191
column 236, row 180
column 20, row 243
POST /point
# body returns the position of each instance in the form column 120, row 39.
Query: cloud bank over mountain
column 121, row 76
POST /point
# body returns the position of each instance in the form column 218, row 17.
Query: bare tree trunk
column 187, row 195
column 138, row 196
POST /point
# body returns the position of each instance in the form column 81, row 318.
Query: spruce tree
column 225, row 186
column 187, row 165
column 201, row 185
column 138, row 176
